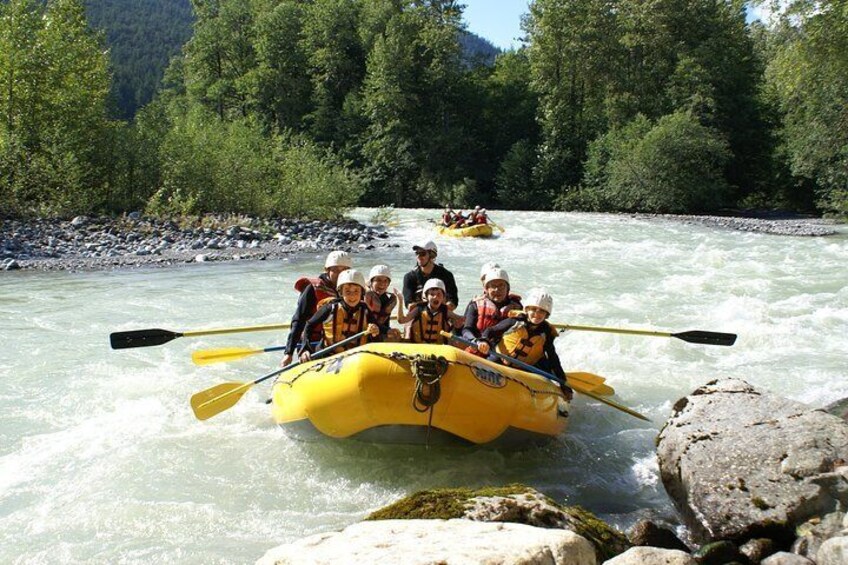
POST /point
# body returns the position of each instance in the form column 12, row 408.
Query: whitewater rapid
column 101, row 459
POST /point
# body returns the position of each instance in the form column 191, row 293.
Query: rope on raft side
column 395, row 356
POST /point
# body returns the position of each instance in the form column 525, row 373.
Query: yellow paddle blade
column 582, row 382
column 604, row 390
column 215, row 400
column 209, row 356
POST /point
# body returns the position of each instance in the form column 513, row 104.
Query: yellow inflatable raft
column 414, row 393
column 478, row 230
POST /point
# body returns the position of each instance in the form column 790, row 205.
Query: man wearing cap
column 312, row 290
column 426, row 269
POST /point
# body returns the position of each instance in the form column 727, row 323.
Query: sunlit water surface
column 101, row 459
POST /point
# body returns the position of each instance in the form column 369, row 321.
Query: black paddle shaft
column 707, row 338
column 141, row 338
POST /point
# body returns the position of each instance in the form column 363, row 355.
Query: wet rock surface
column 85, row 243
column 436, row 541
column 741, row 463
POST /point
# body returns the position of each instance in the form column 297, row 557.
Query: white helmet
column 428, row 246
column 351, row 276
column 482, row 210
column 434, row 283
column 491, row 265
column 539, row 298
column 476, row 207
column 380, row 271
column 495, row 275
column 338, row 259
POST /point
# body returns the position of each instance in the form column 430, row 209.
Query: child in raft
column 341, row 317
column 381, row 302
column 428, row 319
column 528, row 337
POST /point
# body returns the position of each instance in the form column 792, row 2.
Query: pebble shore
column 87, row 244
column 776, row 224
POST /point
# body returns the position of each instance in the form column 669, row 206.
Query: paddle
column 209, row 356
column 496, row 225
column 148, row 338
column 549, row 376
column 694, row 336
column 213, row 401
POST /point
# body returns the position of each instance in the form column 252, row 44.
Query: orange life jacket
column 344, row 322
column 526, row 343
column 426, row 327
column 323, row 291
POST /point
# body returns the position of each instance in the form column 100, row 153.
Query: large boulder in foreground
column 741, row 463
column 436, row 541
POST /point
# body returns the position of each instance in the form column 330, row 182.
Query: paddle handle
column 694, row 336
column 245, row 329
column 611, row 330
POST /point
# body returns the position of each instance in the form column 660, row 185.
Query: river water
column 102, row 461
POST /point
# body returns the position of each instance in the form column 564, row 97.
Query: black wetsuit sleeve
column 410, row 287
column 305, row 305
column 493, row 334
column 469, row 330
column 450, row 286
column 320, row 316
column 554, row 363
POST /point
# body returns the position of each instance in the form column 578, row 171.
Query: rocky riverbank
column 757, row 480
column 99, row 243
column 86, row 243
column 774, row 224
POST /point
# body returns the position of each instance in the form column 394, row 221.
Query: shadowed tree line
column 287, row 107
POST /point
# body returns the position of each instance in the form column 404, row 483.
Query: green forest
column 305, row 108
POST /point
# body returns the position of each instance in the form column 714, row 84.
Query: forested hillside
column 285, row 107
column 142, row 36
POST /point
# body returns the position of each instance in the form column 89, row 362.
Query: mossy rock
column 608, row 541
column 451, row 503
column 440, row 504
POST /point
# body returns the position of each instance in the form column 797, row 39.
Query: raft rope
column 396, row 356
column 428, row 370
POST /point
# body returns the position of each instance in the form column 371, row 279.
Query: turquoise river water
column 102, row 461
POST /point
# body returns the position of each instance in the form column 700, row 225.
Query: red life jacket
column 382, row 307
column 489, row 314
column 322, row 292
